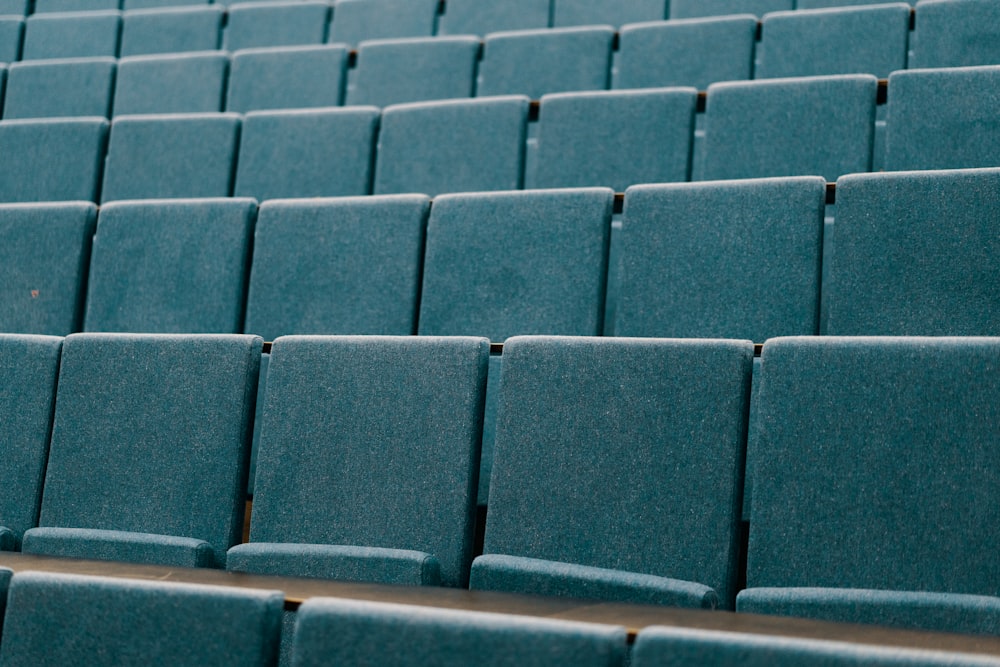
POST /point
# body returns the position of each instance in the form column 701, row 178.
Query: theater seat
column 54, row 88
column 52, row 159
column 956, row 33
column 260, row 24
column 358, row 20
column 43, row 6
column 286, row 78
column 474, row 17
column 84, row 34
column 173, row 83
column 11, row 31
column 687, row 9
column 171, row 29
column 605, row 12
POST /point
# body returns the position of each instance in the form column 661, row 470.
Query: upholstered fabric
column 162, row 448
column 452, row 146
column 686, row 9
column 606, row 12
column 967, row 614
column 854, row 40
column 508, row 263
column 44, row 253
column 42, row 6
column 72, row 35
column 173, row 83
column 358, row 20
column 489, row 430
column 896, row 475
column 286, row 78
column 722, row 259
column 170, row 266
column 11, row 31
column 337, row 266
column 820, row 4
column 615, row 138
column 72, row 619
column 694, row 52
column 260, row 24
column 943, row 119
column 53, row 88
column 373, row 441
column 474, row 17
column 173, row 155
column 536, row 62
column 916, row 254
column 622, row 454
column 350, row 632
column 306, row 153
column 171, row 30
column 809, row 126
column 346, row 563
column 156, row 4
column 56, row 159
column 28, row 368
column 956, row 33
column 120, row 546
column 541, row 577
column 394, row 71
column 14, row 6
column 658, row 646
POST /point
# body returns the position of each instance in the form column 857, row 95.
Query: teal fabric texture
column 360, row 20
column 72, row 35
column 172, row 83
column 473, row 17
column 171, row 29
column 53, row 88
column 956, row 33
column 262, row 24
column 11, row 32
column 294, row 77
column 52, row 159
column 119, row 545
column 605, row 12
column 687, row 9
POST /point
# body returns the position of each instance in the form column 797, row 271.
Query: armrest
column 8, row 540
column 119, row 545
column 325, row 561
column 515, row 574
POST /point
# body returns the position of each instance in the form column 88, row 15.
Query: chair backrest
column 44, row 255
column 695, row 52
column 605, row 12
column 820, row 4
column 157, row 4
column 14, row 7
column 259, row 24
column 550, row 60
column 171, row 30
column 943, row 119
column 689, row 9
column 163, row 448
column 58, row 88
column 390, row 463
column 170, row 266
column 565, row 489
column 11, row 32
column 173, row 83
column 915, row 254
column 730, row 259
column 28, row 369
column 853, row 40
column 358, row 20
column 354, row 632
column 509, row 263
column 877, row 464
column 72, row 35
column 476, row 17
column 306, row 153
column 395, row 71
column 956, row 33
column 452, row 146
column 42, row 6
column 75, row 619
column 337, row 266
column 286, row 78
column 809, row 126
column 169, row 156
column 53, row 159
column 614, row 138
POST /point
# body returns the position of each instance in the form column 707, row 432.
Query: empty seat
column 820, row 4
column 14, row 7
column 178, row 155
column 53, row 88
column 353, row 632
column 956, row 33
column 855, row 40
column 337, row 266
column 170, row 266
column 536, row 62
column 71, row 35
column 915, row 253
column 173, row 83
column 306, row 153
column 259, row 24
column 376, row 483
column 156, row 4
column 733, row 259
column 149, row 467
column 605, row 12
column 42, row 6
column 452, row 146
column 55, row 159
column 688, row 9
column 358, row 20
column 11, row 31
column 28, row 369
column 614, row 138
column 479, row 17
column 617, row 470
column 820, row 126
column 286, row 78
column 412, row 70
column 171, row 30
column 44, row 254
column 74, row 619
column 857, row 505
column 943, row 119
